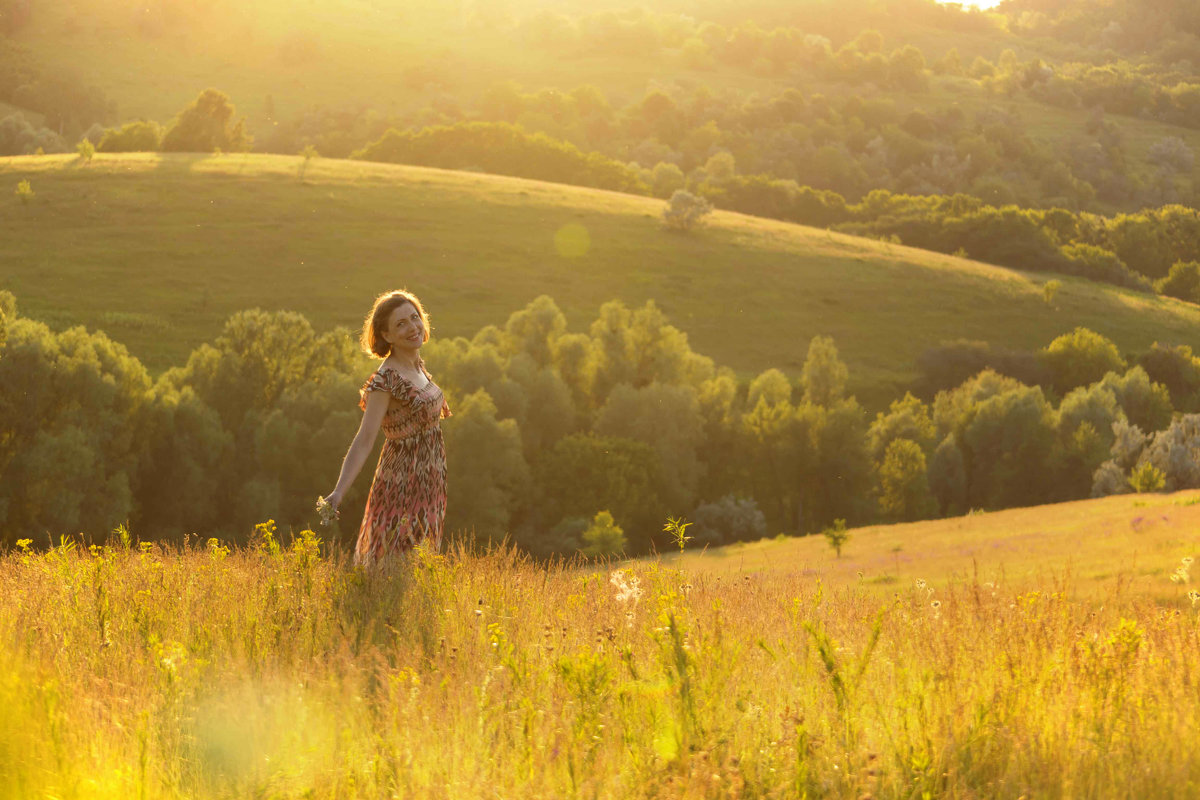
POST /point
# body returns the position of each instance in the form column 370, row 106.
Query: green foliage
column 1183, row 281
column 585, row 471
column 837, row 535
column 1080, row 358
column 86, row 150
column 948, row 477
column 1007, row 443
column 139, row 136
column 1178, row 370
column 207, row 125
column 502, row 149
column 684, row 211
column 491, row 476
column 24, row 191
column 72, row 410
column 1146, row 477
column 904, row 493
column 604, row 537
column 676, row 529
column 824, row 375
column 1050, row 291
column 19, row 137
column 730, row 519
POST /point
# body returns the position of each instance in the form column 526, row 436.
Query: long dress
column 407, row 502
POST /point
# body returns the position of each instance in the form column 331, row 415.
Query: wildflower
column 1194, row 596
column 1187, row 561
column 936, row 604
column 626, row 589
column 328, row 513
column 920, row 583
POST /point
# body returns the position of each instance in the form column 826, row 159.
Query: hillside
column 1126, row 543
column 159, row 250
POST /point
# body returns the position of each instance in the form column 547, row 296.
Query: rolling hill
column 159, row 250
column 1130, row 543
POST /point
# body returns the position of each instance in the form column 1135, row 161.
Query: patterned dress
column 407, row 503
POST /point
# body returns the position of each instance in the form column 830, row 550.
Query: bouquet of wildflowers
column 327, row 511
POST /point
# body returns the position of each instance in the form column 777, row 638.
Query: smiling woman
column 407, row 502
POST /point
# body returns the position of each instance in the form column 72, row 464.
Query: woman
column 407, row 502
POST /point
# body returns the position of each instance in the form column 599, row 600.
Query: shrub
column 1183, row 281
column 1145, row 477
column 86, row 150
column 1098, row 264
column 19, row 138
column 837, row 535
column 685, row 210
column 1080, row 358
column 207, row 126
column 140, row 136
column 604, row 537
column 730, row 519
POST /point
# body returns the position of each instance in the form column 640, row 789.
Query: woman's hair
column 372, row 340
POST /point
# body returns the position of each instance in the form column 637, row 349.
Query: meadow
column 131, row 669
column 159, row 250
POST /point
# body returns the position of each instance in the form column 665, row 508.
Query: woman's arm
column 360, row 448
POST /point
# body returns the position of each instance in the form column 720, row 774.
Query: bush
column 1080, row 358
column 1098, row 264
column 949, row 365
column 685, row 210
column 730, row 519
column 134, row 137
column 19, row 138
column 1178, row 370
column 502, row 149
column 1183, row 281
column 206, row 126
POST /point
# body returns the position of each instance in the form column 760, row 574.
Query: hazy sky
column 978, row 3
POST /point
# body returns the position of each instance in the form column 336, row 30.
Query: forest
column 552, row 427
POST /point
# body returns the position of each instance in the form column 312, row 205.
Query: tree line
column 552, row 426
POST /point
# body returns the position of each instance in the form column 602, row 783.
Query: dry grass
column 130, row 671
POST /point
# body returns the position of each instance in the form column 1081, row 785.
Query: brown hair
column 372, row 340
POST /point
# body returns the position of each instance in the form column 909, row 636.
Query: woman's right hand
column 334, row 499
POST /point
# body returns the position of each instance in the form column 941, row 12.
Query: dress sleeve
column 445, row 407
column 378, row 382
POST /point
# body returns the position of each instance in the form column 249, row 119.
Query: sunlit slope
column 1132, row 541
column 159, row 250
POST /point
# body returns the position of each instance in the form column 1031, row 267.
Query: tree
column 836, row 534
column 583, row 472
column 948, row 477
column 824, row 375
column 1080, row 358
column 73, row 407
column 904, row 493
column 668, row 419
column 604, row 537
column 206, row 125
column 684, row 211
column 1007, row 446
column 491, row 477
column 1183, row 281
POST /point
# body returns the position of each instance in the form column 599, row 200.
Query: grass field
column 1134, row 541
column 159, row 250
column 132, row 670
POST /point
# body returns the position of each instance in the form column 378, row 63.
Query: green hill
column 159, row 250
column 1131, row 541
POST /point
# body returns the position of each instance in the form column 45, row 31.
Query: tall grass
column 136, row 671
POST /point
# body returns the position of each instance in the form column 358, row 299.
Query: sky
column 977, row 3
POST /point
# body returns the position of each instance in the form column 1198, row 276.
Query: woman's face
column 405, row 331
